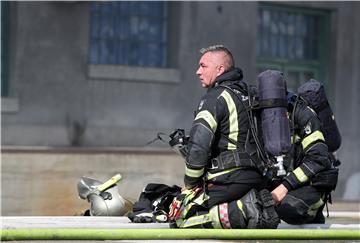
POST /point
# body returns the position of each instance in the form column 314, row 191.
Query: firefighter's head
column 215, row 60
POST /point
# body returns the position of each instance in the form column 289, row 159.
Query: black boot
column 259, row 210
column 270, row 219
column 319, row 218
column 172, row 224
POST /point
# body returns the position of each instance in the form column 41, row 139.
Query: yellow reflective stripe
column 210, row 176
column 197, row 201
column 201, row 199
column 241, row 207
column 233, row 119
column 300, row 175
column 187, row 209
column 196, row 173
column 196, row 220
column 214, row 216
column 208, row 117
column 317, row 135
column 314, row 208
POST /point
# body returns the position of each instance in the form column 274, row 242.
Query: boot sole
column 270, row 217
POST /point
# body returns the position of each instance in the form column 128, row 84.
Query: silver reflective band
column 300, row 175
column 209, row 118
column 193, row 172
column 233, row 119
column 317, row 135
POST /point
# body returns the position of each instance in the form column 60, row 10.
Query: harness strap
column 269, row 103
column 230, row 159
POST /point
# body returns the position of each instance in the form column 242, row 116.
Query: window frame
column 123, row 37
column 167, row 74
column 8, row 104
column 319, row 66
column 5, row 48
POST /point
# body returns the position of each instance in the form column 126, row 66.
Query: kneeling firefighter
column 223, row 173
column 301, row 192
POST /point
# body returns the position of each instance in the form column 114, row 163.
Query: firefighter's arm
column 200, row 144
column 201, row 139
column 313, row 145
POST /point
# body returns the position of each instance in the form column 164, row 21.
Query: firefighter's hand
column 279, row 193
column 174, row 209
column 184, row 188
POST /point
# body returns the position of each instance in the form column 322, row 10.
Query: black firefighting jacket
column 309, row 153
column 221, row 124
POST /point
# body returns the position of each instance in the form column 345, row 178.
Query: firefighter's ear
column 220, row 70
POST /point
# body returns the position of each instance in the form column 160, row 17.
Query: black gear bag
column 153, row 203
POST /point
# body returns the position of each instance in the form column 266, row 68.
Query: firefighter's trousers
column 302, row 206
column 229, row 206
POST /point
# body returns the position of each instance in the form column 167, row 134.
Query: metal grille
column 128, row 33
column 285, row 34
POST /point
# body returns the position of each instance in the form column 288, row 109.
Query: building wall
column 346, row 96
column 49, row 77
column 44, row 183
column 53, row 89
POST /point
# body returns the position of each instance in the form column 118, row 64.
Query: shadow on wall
column 76, row 130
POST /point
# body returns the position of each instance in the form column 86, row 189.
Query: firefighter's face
column 210, row 66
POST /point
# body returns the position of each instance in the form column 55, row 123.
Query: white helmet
column 103, row 203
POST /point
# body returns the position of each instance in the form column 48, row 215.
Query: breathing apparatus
column 275, row 125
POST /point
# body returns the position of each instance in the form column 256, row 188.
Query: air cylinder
column 275, row 124
column 314, row 93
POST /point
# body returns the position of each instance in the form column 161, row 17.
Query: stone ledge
column 86, row 150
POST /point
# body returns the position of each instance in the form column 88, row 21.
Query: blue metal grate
column 290, row 35
column 128, row 33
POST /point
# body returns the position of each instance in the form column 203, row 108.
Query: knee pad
column 227, row 216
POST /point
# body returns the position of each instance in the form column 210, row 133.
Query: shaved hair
column 228, row 57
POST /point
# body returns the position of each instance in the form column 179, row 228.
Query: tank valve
column 280, row 166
